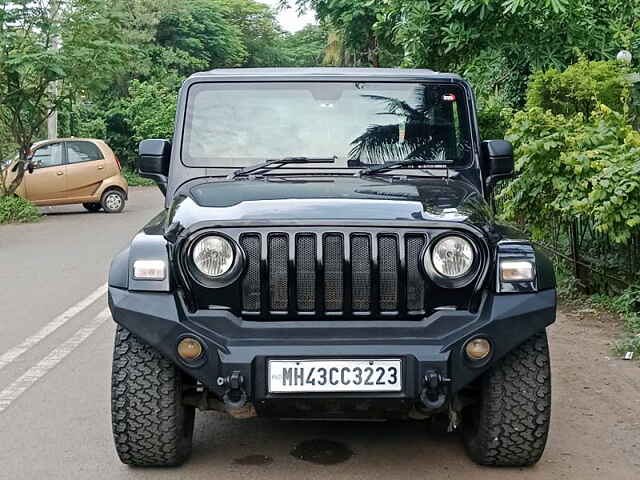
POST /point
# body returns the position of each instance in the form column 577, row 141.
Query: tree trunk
column 17, row 180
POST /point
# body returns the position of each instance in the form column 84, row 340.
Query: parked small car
column 75, row 170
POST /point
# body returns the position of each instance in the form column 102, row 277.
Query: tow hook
column 433, row 395
column 235, row 396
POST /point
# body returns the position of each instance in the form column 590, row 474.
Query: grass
column 628, row 306
column 17, row 210
column 135, row 180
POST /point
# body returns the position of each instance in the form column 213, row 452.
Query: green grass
column 17, row 210
column 135, row 180
column 628, row 306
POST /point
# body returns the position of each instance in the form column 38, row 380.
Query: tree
column 473, row 35
column 305, row 48
column 29, row 65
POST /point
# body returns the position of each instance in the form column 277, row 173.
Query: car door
column 85, row 169
column 48, row 182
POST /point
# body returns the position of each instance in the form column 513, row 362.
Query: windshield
column 363, row 123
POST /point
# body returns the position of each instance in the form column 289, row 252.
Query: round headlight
column 213, row 256
column 452, row 257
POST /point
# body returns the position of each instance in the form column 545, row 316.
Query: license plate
column 286, row 376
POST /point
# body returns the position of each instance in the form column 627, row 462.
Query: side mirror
column 498, row 161
column 30, row 166
column 154, row 156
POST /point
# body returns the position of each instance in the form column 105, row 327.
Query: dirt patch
column 596, row 421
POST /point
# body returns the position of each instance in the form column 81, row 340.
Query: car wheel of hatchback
column 113, row 201
column 510, row 423
column 151, row 424
column 92, row 207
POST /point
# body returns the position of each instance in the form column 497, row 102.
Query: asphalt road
column 55, row 362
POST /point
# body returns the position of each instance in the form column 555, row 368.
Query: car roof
column 66, row 139
column 323, row 73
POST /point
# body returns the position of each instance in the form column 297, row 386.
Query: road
column 55, row 361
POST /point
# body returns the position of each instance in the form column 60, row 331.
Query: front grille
column 333, row 274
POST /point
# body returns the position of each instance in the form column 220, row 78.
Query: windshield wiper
column 407, row 162
column 274, row 163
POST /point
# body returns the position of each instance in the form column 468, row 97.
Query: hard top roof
column 333, row 73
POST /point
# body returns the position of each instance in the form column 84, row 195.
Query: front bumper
column 233, row 345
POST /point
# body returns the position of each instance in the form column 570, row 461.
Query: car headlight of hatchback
column 213, row 256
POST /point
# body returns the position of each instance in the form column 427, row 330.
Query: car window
column 48, row 156
column 82, row 152
column 360, row 123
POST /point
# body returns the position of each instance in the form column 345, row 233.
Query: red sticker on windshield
column 449, row 97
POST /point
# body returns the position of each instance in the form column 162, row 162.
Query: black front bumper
column 434, row 344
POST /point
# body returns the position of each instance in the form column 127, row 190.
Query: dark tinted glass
column 82, row 152
column 237, row 124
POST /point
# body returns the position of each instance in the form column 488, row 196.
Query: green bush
column 570, row 167
column 580, row 88
column 577, row 152
column 17, row 210
column 135, row 180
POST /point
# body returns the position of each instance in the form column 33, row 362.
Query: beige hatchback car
column 75, row 170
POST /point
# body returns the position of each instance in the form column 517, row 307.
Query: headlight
column 452, row 257
column 213, row 256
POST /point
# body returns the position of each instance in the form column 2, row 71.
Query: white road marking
column 12, row 354
column 44, row 366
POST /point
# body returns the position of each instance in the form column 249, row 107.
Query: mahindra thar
column 327, row 250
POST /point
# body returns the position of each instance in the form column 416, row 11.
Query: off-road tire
column 510, row 423
column 113, row 201
column 151, row 425
column 92, row 207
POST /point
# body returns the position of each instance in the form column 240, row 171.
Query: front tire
column 510, row 423
column 112, row 201
column 151, row 424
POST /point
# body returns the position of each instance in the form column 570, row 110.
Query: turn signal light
column 190, row 349
column 478, row 348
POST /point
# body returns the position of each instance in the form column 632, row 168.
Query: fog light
column 190, row 349
column 478, row 348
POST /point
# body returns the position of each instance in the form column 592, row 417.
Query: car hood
column 375, row 199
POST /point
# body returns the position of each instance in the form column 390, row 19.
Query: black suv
column 327, row 251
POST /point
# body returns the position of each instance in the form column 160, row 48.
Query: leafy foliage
column 135, row 180
column 17, row 210
column 576, row 164
column 305, row 48
column 580, row 88
column 496, row 44
column 43, row 45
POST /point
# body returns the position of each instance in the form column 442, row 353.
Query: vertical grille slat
column 360, row 273
column 306, row 272
column 278, row 272
column 333, row 272
column 293, row 273
column 388, row 272
column 415, row 279
column 251, row 280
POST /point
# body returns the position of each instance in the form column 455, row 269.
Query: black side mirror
column 498, row 161
column 30, row 166
column 154, row 156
